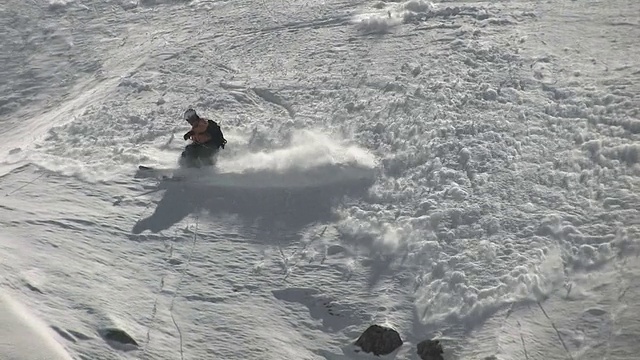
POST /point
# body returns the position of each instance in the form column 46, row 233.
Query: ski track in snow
column 462, row 171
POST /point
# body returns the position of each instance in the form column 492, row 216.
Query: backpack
column 216, row 134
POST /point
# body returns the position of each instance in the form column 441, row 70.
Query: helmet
column 190, row 115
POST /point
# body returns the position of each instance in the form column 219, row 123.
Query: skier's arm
column 188, row 135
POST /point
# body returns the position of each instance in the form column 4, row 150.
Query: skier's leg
column 189, row 156
column 188, row 151
column 206, row 153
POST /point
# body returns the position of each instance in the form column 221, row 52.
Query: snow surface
column 466, row 171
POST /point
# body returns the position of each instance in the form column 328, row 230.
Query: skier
column 207, row 140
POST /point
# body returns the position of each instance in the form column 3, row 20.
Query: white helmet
column 190, row 115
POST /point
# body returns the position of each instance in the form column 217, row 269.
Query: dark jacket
column 217, row 138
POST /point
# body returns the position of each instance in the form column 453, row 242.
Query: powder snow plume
column 307, row 149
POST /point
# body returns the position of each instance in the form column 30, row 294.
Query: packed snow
column 461, row 171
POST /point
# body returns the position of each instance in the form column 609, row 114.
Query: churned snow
column 464, row 171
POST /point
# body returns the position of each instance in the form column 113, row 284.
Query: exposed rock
column 379, row 340
column 335, row 249
column 118, row 336
column 430, row 350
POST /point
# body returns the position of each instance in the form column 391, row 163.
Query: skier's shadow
column 260, row 200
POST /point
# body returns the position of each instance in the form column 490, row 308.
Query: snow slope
column 21, row 330
column 466, row 171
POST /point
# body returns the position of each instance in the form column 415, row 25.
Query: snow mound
column 383, row 22
column 25, row 337
column 375, row 23
column 418, row 6
column 59, row 4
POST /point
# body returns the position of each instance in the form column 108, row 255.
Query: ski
column 172, row 174
column 162, row 174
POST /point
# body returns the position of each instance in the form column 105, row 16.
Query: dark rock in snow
column 430, row 350
column 118, row 336
column 335, row 249
column 379, row 340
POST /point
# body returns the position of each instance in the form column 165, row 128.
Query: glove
column 224, row 142
column 187, row 136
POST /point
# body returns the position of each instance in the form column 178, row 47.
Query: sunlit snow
column 461, row 171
